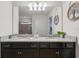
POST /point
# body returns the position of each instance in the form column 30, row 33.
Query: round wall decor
column 72, row 11
column 56, row 19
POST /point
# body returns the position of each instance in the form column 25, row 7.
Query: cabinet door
column 44, row 53
column 47, row 53
column 54, row 53
column 8, row 53
column 67, row 53
column 30, row 53
column 19, row 53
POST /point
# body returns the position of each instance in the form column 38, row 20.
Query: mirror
column 73, row 12
column 56, row 19
column 39, row 22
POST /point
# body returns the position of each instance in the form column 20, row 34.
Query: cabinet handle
column 19, row 52
column 57, row 52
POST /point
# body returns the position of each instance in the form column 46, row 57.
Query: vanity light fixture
column 37, row 6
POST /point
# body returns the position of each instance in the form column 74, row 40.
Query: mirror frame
column 56, row 20
column 74, row 18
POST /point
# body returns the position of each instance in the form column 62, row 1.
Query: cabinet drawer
column 19, row 45
column 6, row 45
column 44, row 45
column 25, row 45
column 13, row 45
column 70, row 45
column 33, row 45
column 57, row 45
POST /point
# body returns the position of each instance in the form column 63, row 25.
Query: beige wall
column 5, row 18
column 71, row 28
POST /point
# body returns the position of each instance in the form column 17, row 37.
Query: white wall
column 71, row 28
column 40, row 24
column 15, row 20
column 5, row 18
column 54, row 12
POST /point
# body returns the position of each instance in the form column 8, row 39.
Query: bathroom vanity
column 38, row 48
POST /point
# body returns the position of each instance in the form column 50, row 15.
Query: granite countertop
column 40, row 39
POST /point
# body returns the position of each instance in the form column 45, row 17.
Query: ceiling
column 24, row 10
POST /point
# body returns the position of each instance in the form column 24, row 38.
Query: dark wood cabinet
column 37, row 50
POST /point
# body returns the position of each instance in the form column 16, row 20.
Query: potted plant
column 61, row 34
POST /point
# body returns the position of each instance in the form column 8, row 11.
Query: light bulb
column 35, row 6
column 40, row 5
column 39, row 8
column 43, row 8
column 30, row 6
column 44, row 5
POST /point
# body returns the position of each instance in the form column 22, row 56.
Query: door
column 20, row 28
column 25, row 29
